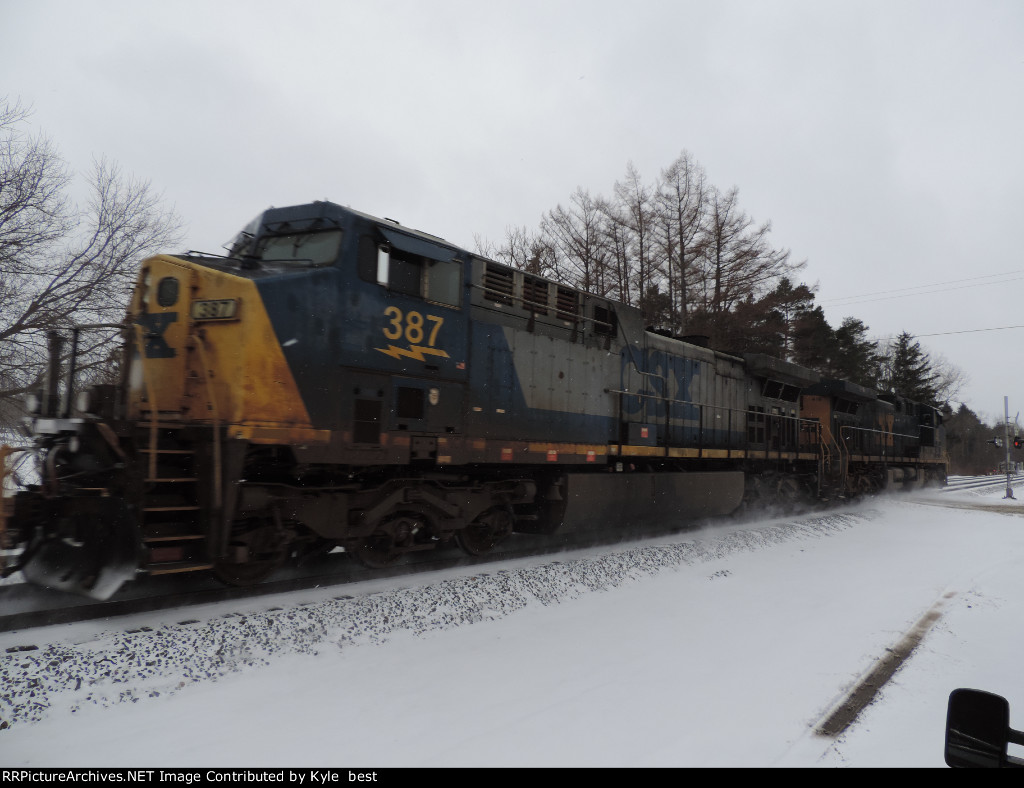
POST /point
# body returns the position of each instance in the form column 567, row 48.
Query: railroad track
column 959, row 483
column 1006, row 508
column 24, row 606
column 971, row 483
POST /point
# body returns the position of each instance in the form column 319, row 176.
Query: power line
column 967, row 331
column 891, row 337
column 884, row 295
column 931, row 284
column 866, row 298
column 942, row 287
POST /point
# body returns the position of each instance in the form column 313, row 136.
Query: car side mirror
column 977, row 729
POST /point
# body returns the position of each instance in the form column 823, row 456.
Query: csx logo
column 416, row 329
column 156, row 325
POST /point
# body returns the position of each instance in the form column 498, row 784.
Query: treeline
column 967, row 441
column 694, row 262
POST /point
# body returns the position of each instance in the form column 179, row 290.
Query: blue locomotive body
column 342, row 380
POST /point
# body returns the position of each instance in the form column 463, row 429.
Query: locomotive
column 341, row 380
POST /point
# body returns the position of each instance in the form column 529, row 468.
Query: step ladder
column 833, row 460
column 174, row 537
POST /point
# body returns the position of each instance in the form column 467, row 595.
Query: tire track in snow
column 860, row 696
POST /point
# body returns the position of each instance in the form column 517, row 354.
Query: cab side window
column 406, row 274
column 444, row 282
column 412, row 266
column 367, row 258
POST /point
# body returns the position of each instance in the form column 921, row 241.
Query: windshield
column 309, row 248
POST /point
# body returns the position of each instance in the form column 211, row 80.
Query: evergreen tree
column 907, row 370
column 751, row 326
column 792, row 305
column 856, row 358
column 814, row 341
column 658, row 310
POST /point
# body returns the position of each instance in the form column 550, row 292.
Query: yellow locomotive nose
column 159, row 319
column 206, row 377
column 204, row 351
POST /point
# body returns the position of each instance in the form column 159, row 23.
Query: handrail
column 201, row 344
column 153, row 410
column 6, row 451
column 843, row 428
column 801, row 423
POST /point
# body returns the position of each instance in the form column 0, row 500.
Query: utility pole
column 1006, row 442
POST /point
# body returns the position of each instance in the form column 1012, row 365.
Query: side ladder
column 173, row 536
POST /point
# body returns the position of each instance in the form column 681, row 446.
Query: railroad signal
column 1018, row 442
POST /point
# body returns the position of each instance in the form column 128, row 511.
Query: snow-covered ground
column 726, row 646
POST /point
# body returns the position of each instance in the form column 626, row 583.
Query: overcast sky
column 883, row 140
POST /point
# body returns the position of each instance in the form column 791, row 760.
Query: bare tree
column 739, row 261
column 682, row 251
column 617, row 239
column 62, row 265
column 636, row 213
column 682, row 207
column 528, row 252
column 483, row 246
column 950, row 380
column 577, row 236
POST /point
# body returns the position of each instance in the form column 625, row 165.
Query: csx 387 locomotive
column 342, row 380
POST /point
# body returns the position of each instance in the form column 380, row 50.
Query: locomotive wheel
column 267, row 550
column 486, row 531
column 377, row 551
column 392, row 538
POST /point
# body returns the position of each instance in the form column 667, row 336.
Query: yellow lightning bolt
column 417, row 352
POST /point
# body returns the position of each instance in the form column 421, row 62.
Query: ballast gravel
column 130, row 666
